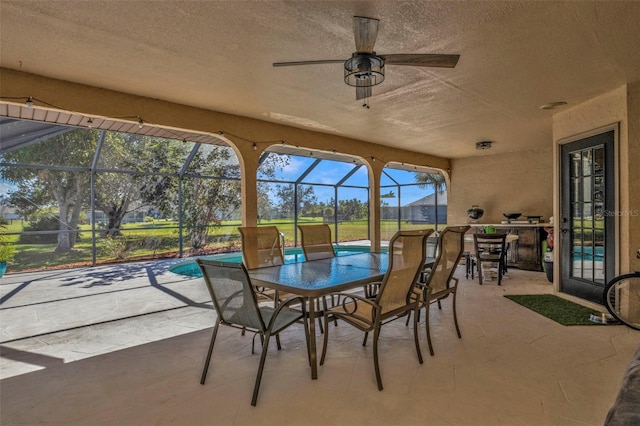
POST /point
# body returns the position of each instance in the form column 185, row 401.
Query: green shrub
column 44, row 220
column 116, row 247
column 7, row 250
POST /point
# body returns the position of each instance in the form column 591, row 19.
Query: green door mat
column 556, row 308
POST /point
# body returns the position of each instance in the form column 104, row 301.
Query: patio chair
column 393, row 300
column 439, row 282
column 316, row 244
column 316, row 241
column 236, row 306
column 261, row 248
column 490, row 249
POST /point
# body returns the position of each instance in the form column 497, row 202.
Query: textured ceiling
column 515, row 56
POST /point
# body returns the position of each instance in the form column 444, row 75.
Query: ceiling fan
column 365, row 68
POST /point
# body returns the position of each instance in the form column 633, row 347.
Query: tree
column 352, row 209
column 287, row 195
column 439, row 184
column 116, row 191
column 436, row 179
column 68, row 189
column 210, row 201
column 160, row 160
column 270, row 164
column 210, row 186
column 28, row 198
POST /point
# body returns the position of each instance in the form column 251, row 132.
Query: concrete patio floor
column 125, row 344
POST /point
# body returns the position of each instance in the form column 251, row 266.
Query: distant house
column 425, row 209
column 420, row 211
column 9, row 212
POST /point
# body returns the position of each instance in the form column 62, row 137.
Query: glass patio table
column 317, row 278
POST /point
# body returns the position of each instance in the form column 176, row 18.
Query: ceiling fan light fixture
column 364, row 70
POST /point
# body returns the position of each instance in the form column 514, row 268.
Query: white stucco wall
column 519, row 182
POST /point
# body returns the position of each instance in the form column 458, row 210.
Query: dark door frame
column 560, row 236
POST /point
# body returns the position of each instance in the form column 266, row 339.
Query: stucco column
column 375, row 174
column 248, row 159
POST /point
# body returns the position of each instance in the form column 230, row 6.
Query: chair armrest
column 263, row 291
column 294, row 300
column 290, row 301
column 349, row 304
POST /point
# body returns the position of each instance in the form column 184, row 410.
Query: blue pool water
column 587, row 253
column 190, row 268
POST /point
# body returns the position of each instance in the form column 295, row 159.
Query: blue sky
column 5, row 187
column 331, row 172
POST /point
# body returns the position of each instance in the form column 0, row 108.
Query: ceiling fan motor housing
column 364, row 69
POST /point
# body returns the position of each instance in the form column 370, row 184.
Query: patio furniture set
column 265, row 296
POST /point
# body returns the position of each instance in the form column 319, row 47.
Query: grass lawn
column 161, row 239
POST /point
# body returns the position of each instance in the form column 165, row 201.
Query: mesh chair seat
column 361, row 313
column 283, row 320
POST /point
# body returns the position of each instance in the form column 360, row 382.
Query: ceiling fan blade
column 365, row 31
column 422, row 60
column 363, row 92
column 324, row 61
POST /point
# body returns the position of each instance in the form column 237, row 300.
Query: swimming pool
column 190, row 268
column 587, row 253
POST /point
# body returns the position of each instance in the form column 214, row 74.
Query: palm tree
column 439, row 184
column 435, row 179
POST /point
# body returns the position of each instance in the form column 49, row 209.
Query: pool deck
column 42, row 303
column 124, row 344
